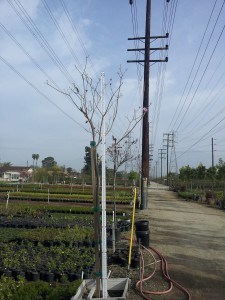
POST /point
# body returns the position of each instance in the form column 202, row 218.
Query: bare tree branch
column 87, row 99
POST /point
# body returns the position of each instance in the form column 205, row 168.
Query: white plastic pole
column 104, row 237
column 7, row 201
column 113, row 233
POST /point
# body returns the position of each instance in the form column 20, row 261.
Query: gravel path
column 191, row 236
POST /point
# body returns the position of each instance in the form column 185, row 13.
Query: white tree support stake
column 104, row 237
column 7, row 201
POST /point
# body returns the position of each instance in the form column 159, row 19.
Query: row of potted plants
column 54, row 259
column 37, row 210
column 75, row 198
column 29, row 222
column 59, row 187
column 47, row 234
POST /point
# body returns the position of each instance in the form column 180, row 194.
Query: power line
column 201, row 78
column 205, row 136
column 167, row 26
column 61, row 32
column 189, row 76
column 135, row 33
column 197, row 129
column 40, row 92
column 77, row 33
column 35, row 32
column 135, row 26
column 27, row 53
column 210, row 103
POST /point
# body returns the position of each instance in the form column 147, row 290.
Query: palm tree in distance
column 35, row 157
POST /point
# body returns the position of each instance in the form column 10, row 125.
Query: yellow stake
column 132, row 229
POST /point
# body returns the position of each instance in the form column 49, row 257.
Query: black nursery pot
column 7, row 273
column 143, row 236
column 72, row 276
column 49, row 277
column 135, row 261
column 35, row 276
column 142, row 225
column 17, row 273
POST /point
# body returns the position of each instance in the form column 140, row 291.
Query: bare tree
column 87, row 99
column 120, row 153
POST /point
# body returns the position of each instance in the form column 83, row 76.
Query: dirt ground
column 191, row 237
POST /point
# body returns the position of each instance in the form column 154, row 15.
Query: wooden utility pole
column 145, row 123
column 161, row 153
column 156, row 171
column 167, row 154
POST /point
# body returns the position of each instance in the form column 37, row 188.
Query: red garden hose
column 164, row 268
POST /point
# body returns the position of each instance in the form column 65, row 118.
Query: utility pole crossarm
column 151, row 60
column 150, row 37
column 155, row 48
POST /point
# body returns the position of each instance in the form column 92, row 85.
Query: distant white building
column 10, row 176
column 15, row 174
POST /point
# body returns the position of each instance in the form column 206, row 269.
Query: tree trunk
column 95, row 188
column 114, row 198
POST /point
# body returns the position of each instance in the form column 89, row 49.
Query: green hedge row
column 44, row 196
column 11, row 289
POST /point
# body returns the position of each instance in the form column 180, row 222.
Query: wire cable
column 210, row 103
column 27, row 54
column 77, row 34
column 61, row 33
column 40, row 92
column 35, row 32
column 167, row 26
column 189, row 76
column 204, row 72
column 205, row 136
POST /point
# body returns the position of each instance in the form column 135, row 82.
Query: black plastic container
column 143, row 236
column 142, row 225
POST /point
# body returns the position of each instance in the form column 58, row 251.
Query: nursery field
column 47, row 237
column 62, row 193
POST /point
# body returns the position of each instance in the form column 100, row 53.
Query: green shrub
column 185, row 195
column 33, row 290
column 10, row 289
column 220, row 195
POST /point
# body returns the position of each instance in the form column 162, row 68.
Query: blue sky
column 37, row 119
